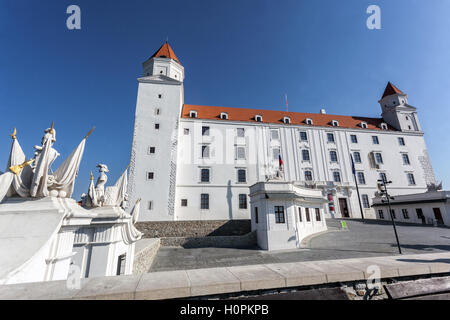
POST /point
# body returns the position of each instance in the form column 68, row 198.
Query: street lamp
column 383, row 189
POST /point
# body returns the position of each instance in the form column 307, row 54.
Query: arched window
column 363, row 125
column 258, row 118
column 286, row 120
column 309, row 121
column 193, row 114
column 224, row 116
column 335, row 123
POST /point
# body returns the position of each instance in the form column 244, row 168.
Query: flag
column 286, row 100
column 353, row 165
column 280, row 162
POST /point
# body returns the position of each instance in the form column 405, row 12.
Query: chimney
column 322, row 111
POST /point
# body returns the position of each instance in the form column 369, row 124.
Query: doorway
column 344, row 207
column 438, row 216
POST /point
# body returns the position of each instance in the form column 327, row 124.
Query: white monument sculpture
column 46, row 234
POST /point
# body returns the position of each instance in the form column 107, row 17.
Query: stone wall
column 162, row 229
column 145, row 253
column 245, row 241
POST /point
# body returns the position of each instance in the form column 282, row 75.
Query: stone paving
column 370, row 239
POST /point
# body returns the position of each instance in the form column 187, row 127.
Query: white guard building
column 431, row 207
column 192, row 162
column 284, row 214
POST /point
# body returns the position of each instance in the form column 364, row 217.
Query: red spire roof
column 165, row 51
column 390, row 90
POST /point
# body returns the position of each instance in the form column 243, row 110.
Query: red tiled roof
column 165, row 51
column 273, row 116
column 390, row 90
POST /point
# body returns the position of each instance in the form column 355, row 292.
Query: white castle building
column 192, row 162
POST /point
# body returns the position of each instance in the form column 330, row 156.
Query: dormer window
column 363, row 125
column 258, row 118
column 335, row 123
column 286, row 120
column 224, row 116
column 383, row 126
column 193, row 114
column 309, row 121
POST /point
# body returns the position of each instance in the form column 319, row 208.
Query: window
column 393, row 214
column 305, row 155
column 224, row 116
column 151, row 150
column 365, row 200
column 256, row 214
column 274, row 134
column 308, row 175
column 150, row 205
column 299, row 214
column 186, row 131
column 276, row 153
column 204, row 175
column 317, row 214
column 405, row 159
column 357, row 157
column 204, row 201
column 287, row 120
column 242, row 175
column 258, row 118
column 205, row 131
column 241, row 132
column 193, row 114
column 242, row 201
column 308, row 218
column 279, row 214
column 240, row 153
column 405, row 213
column 156, row 126
column 309, row 121
column 333, row 156
column 159, row 96
column 378, row 158
column 303, row 136
column 361, row 178
column 383, row 126
column 383, row 176
column 401, row 141
column 157, row 111
column 335, row 123
column 363, row 125
column 184, row 202
column 330, row 137
column 375, row 140
column 336, row 176
column 205, row 151
column 380, row 214
column 150, row 175
column 411, row 179
column 121, row 263
column 420, row 214
column 353, row 138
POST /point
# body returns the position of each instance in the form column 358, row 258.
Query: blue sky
column 235, row 53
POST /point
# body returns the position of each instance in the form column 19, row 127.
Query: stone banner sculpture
column 35, row 178
column 98, row 196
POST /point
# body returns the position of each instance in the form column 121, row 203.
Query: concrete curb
column 213, row 281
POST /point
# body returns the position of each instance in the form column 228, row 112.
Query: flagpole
column 357, row 187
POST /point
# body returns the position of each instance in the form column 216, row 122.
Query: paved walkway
column 370, row 239
column 204, row 282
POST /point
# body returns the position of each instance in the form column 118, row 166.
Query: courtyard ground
column 363, row 239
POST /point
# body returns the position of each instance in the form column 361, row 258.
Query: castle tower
column 396, row 111
column 154, row 151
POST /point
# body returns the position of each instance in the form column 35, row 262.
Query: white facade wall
column 223, row 188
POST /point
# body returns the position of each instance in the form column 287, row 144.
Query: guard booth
column 283, row 213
